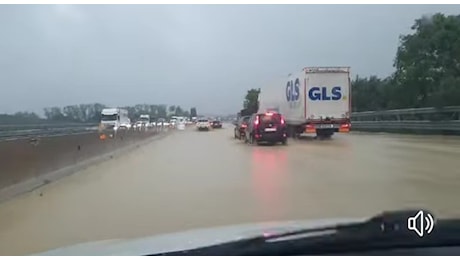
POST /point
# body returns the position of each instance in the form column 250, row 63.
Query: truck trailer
column 316, row 100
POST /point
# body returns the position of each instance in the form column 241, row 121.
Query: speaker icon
column 420, row 223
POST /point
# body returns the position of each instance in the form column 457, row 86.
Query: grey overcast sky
column 203, row 56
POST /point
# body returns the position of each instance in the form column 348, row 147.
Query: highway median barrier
column 23, row 160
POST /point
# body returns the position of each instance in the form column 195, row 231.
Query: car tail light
column 282, row 120
column 269, row 114
column 244, row 125
column 256, row 122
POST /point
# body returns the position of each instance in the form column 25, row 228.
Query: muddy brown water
column 194, row 179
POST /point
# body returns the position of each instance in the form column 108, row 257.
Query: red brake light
column 244, row 125
column 282, row 120
column 256, row 122
column 269, row 114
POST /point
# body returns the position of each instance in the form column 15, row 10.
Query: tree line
column 427, row 71
column 91, row 113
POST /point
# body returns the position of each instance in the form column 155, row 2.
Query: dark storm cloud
column 204, row 56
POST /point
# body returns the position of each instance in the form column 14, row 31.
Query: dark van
column 267, row 127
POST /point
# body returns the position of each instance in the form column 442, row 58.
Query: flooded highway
column 194, row 179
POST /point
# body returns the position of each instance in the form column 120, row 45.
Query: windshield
column 109, row 117
column 270, row 118
column 245, row 119
column 293, row 112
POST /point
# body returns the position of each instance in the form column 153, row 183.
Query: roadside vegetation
column 427, row 71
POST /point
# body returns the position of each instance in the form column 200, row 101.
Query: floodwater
column 196, row 179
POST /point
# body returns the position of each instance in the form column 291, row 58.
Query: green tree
column 172, row 109
column 369, row 93
column 162, row 111
column 193, row 112
column 94, row 112
column 251, row 101
column 54, row 114
column 186, row 113
column 20, row 118
column 428, row 64
column 179, row 111
column 72, row 113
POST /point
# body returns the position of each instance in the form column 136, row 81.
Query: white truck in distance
column 314, row 100
column 113, row 119
column 145, row 120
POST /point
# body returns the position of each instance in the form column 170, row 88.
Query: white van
column 181, row 123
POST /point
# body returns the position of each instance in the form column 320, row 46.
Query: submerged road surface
column 202, row 179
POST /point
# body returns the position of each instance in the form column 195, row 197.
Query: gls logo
column 293, row 90
column 317, row 93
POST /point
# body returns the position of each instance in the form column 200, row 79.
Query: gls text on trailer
column 317, row 100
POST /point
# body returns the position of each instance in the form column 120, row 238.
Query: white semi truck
column 145, row 120
column 316, row 100
column 114, row 119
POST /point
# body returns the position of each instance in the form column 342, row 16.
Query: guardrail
column 11, row 127
column 426, row 125
column 9, row 132
column 445, row 113
column 444, row 120
column 13, row 132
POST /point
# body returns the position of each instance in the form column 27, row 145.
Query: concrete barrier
column 22, row 160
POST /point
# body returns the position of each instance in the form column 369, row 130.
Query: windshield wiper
column 383, row 232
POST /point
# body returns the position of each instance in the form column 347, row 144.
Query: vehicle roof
column 273, row 113
column 109, row 111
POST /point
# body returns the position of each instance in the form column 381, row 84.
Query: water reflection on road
column 270, row 180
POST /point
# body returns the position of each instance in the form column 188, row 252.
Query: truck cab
column 113, row 119
column 145, row 120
